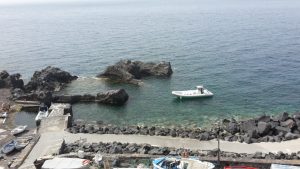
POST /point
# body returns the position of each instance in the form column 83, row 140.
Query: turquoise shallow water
column 246, row 52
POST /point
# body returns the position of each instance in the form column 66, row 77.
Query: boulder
column 127, row 71
column 233, row 127
column 3, row 74
column 281, row 117
column 282, row 129
column 274, row 124
column 288, row 123
column 264, row 118
column 162, row 69
column 15, row 81
column 258, row 155
column 2, row 83
column 49, row 79
column 113, row 97
column 213, row 153
column 296, row 131
column 253, row 133
column 277, row 138
column 263, row 128
column 245, row 126
column 173, row 133
column 296, row 115
column 204, row 136
column 290, row 136
column 11, row 81
column 115, row 149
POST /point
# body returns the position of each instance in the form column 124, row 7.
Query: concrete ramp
column 54, row 123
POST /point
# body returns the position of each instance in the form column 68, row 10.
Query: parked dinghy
column 8, row 147
column 3, row 115
column 43, row 113
column 199, row 92
column 180, row 163
column 18, row 130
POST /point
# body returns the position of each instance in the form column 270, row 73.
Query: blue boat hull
column 9, row 147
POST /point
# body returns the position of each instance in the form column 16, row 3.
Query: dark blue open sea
column 246, row 52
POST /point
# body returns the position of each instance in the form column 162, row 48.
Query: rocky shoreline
column 262, row 129
column 130, row 148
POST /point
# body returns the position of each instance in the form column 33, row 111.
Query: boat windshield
column 43, row 108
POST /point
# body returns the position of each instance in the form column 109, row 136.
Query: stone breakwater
column 131, row 148
column 261, row 129
column 112, row 97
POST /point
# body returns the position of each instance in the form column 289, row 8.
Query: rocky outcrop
column 126, row 71
column 49, row 79
column 45, row 82
column 12, row 81
column 112, row 97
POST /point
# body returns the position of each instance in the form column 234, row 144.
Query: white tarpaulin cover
column 279, row 166
column 64, row 163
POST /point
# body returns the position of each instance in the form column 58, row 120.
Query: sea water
column 246, row 52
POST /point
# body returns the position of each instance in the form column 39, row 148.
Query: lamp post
column 218, row 140
column 218, row 137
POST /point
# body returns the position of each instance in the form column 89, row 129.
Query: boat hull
column 192, row 94
column 9, row 147
column 18, row 130
column 180, row 163
column 41, row 115
column 3, row 115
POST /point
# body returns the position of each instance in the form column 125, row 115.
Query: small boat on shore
column 20, row 144
column 180, row 163
column 4, row 115
column 199, row 92
column 8, row 147
column 18, row 130
column 43, row 113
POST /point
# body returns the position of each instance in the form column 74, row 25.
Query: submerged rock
column 126, row 71
column 49, row 79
